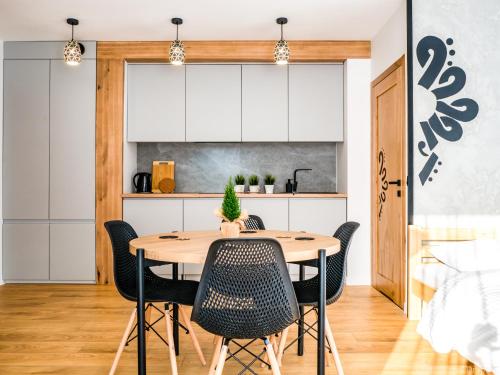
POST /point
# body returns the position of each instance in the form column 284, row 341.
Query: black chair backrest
column 336, row 265
column 254, row 223
column 245, row 290
column 124, row 263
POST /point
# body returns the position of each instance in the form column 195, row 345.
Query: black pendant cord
column 177, row 32
column 72, row 32
column 281, row 32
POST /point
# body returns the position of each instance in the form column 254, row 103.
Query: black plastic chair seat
column 155, row 263
column 307, row 263
column 182, row 292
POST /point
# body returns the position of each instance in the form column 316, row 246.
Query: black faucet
column 294, row 190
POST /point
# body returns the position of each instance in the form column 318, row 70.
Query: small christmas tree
column 230, row 204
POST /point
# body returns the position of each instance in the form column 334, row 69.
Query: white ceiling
column 203, row 19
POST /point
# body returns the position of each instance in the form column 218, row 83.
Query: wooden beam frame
column 111, row 59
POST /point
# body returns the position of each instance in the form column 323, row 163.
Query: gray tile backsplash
column 206, row 167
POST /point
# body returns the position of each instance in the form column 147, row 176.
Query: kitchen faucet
column 295, row 182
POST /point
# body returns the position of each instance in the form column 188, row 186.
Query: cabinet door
column 72, row 140
column 156, row 103
column 25, row 252
column 316, row 103
column 272, row 211
column 150, row 216
column 72, row 252
column 199, row 215
column 213, row 103
column 321, row 216
column 264, row 106
column 26, row 139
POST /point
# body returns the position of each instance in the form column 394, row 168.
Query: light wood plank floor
column 75, row 329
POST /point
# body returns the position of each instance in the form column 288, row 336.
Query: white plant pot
column 239, row 188
column 269, row 189
column 254, row 188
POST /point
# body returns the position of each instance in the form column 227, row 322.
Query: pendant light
column 281, row 50
column 73, row 50
column 176, row 54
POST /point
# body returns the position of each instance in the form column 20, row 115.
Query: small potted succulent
column 230, row 213
column 269, row 183
column 239, row 183
column 253, row 182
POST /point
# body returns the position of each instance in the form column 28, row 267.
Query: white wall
column 1, row 144
column 390, row 42
column 356, row 149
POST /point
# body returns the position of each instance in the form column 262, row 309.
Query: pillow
column 468, row 256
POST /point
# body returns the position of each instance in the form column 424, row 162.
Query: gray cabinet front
column 26, row 139
column 72, row 140
column 72, row 252
column 213, row 103
column 26, row 252
column 264, row 103
column 316, row 103
column 156, row 103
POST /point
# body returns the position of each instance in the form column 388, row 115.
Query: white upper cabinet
column 264, row 103
column 26, row 139
column 316, row 103
column 72, row 140
column 156, row 103
column 213, row 103
column 272, row 211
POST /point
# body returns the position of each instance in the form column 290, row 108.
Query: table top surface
column 192, row 246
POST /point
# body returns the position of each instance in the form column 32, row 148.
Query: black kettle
column 142, row 182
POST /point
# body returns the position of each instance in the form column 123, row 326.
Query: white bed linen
column 434, row 274
column 464, row 315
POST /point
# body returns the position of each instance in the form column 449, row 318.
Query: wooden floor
column 75, row 329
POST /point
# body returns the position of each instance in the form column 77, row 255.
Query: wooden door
column 389, row 183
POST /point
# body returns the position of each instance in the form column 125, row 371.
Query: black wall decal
column 446, row 120
column 384, row 184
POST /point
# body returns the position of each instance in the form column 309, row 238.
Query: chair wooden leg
column 333, row 346
column 170, row 341
column 123, row 342
column 272, row 339
column 282, row 344
column 272, row 358
column 192, row 334
column 215, row 356
column 222, row 359
column 147, row 318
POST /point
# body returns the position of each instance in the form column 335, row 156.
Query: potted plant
column 269, row 183
column 253, row 182
column 239, row 183
column 230, row 213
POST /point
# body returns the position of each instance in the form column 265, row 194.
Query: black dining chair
column 254, row 222
column 307, row 291
column 156, row 290
column 245, row 293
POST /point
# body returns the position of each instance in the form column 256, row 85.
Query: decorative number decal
column 446, row 120
column 384, row 184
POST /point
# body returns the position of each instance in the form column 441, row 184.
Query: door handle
column 395, row 182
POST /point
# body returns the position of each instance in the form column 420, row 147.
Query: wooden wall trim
column 111, row 57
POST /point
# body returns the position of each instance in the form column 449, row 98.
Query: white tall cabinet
column 49, row 163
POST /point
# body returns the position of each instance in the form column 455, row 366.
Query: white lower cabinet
column 316, row 215
column 26, row 252
column 150, row 216
column 72, row 252
column 199, row 215
column 272, row 211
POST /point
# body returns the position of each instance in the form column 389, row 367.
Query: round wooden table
column 192, row 247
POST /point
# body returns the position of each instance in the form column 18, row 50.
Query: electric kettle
column 142, row 182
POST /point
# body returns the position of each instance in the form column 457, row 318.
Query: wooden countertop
column 240, row 195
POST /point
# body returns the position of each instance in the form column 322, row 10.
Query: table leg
column 321, row 311
column 300, row 332
column 175, row 313
column 141, row 332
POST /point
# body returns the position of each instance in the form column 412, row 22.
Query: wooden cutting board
column 162, row 170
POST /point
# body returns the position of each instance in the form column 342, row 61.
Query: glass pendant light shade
column 176, row 54
column 72, row 53
column 73, row 50
column 281, row 50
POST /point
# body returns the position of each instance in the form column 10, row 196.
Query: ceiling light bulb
column 72, row 53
